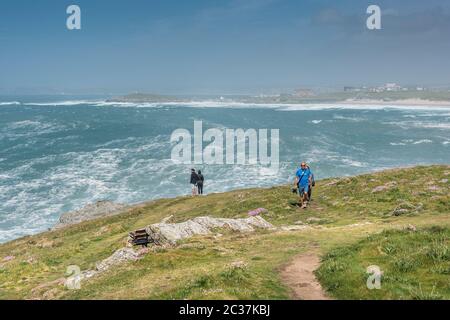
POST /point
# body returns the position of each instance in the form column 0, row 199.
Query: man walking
column 303, row 182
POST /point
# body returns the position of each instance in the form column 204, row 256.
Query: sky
column 220, row 46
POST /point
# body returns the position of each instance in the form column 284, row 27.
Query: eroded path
column 299, row 276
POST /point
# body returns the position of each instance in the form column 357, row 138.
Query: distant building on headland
column 355, row 89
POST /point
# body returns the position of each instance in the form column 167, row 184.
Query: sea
column 60, row 153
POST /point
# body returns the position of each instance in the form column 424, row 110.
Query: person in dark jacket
column 312, row 184
column 194, row 181
column 200, row 181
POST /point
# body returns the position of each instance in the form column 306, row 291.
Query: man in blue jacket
column 303, row 178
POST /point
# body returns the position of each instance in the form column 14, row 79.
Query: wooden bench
column 139, row 238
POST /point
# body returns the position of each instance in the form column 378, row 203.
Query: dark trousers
column 200, row 188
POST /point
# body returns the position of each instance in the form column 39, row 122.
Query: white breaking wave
column 353, row 119
column 422, row 141
column 236, row 104
column 62, row 103
column 397, row 144
column 354, row 163
column 124, row 172
column 405, row 142
column 114, row 104
column 305, row 107
column 420, row 124
column 9, row 103
column 445, row 126
column 130, row 167
column 29, row 128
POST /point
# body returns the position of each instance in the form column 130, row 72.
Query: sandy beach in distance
column 404, row 102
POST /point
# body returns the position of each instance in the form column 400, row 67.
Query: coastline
column 414, row 103
column 242, row 102
column 104, row 208
column 404, row 102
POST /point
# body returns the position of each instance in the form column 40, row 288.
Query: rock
column 88, row 274
column 43, row 291
column 293, row 228
column 143, row 251
column 238, row 264
column 313, row 219
column 45, row 243
column 167, row 234
column 51, row 294
column 410, row 227
column 120, row 256
column 173, row 232
column 257, row 212
column 385, row 187
column 167, row 219
column 89, row 212
column 406, row 207
column 399, row 211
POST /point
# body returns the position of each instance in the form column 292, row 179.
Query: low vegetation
column 414, row 265
column 345, row 212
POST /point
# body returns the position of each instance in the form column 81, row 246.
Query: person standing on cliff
column 200, row 181
column 194, row 181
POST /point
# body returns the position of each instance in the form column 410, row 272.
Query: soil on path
column 299, row 276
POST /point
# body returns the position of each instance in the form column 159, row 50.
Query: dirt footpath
column 298, row 275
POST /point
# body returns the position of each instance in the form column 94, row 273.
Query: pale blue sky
column 219, row 46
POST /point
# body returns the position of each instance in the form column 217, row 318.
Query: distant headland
column 389, row 94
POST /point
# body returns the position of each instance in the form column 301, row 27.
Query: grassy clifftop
column 228, row 264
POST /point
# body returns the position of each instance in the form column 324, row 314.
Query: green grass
column 200, row 267
column 415, row 265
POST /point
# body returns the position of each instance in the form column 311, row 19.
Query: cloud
column 432, row 20
column 394, row 22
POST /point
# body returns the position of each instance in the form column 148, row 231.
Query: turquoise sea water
column 59, row 154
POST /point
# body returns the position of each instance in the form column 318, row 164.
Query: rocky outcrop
column 89, row 212
column 388, row 186
column 170, row 233
column 118, row 257
column 407, row 208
